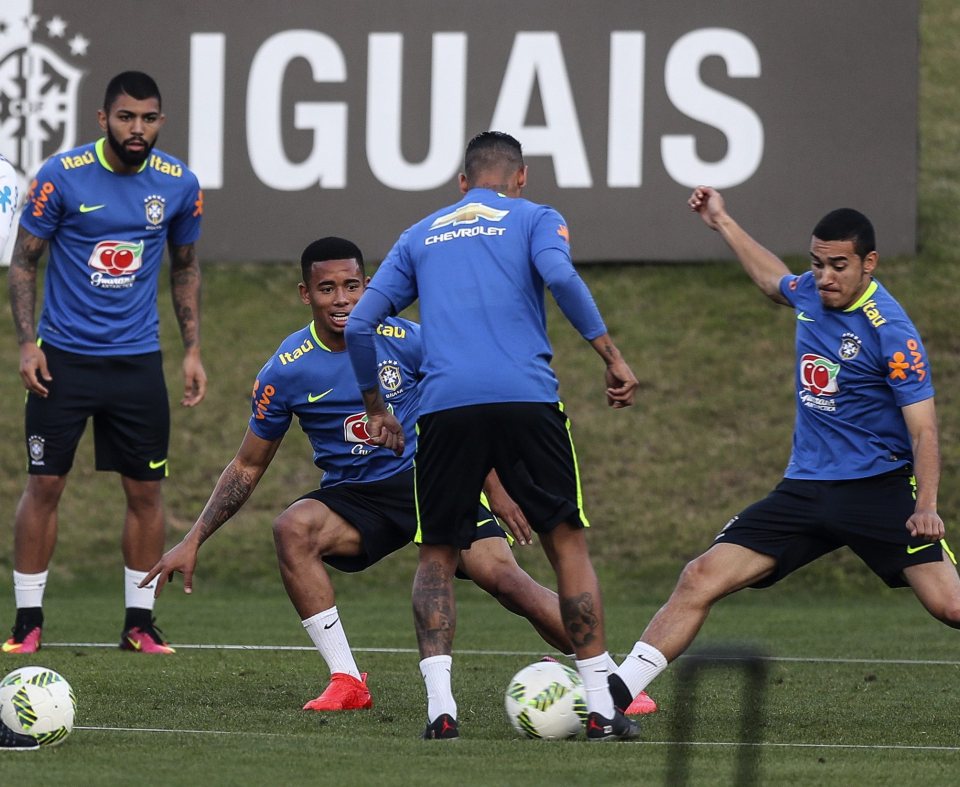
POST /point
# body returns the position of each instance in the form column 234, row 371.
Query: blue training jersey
column 856, row 368
column 107, row 234
column 479, row 269
column 305, row 379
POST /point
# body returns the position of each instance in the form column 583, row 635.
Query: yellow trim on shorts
column 943, row 544
column 576, row 469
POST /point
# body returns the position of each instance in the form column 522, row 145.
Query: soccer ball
column 546, row 700
column 38, row 702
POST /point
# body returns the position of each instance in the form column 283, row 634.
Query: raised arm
column 234, row 487
column 22, row 283
column 761, row 265
column 185, row 291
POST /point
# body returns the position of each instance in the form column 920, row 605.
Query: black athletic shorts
column 126, row 396
column 528, row 443
column 800, row 521
column 385, row 514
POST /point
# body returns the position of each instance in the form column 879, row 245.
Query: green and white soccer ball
column 546, row 700
column 38, row 702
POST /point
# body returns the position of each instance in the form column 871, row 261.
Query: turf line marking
column 181, row 732
column 530, row 653
column 723, row 744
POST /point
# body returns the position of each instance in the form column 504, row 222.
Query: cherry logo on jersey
column 818, row 374
column 355, row 428
column 117, row 257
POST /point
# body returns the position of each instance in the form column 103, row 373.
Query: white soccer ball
column 546, row 700
column 38, row 702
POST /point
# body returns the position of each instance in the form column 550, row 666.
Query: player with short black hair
column 491, row 401
column 106, row 210
column 865, row 465
column 364, row 508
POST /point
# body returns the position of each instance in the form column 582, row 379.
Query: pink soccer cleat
column 344, row 692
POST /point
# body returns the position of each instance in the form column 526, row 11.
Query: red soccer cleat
column 643, row 703
column 144, row 639
column 344, row 692
column 27, row 642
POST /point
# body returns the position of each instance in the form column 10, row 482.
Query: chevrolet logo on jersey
column 468, row 214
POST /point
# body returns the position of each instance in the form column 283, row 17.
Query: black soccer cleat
column 619, row 728
column 442, row 728
column 14, row 741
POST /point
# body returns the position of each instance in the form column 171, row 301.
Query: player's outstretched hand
column 194, row 380
column 709, row 204
column 182, row 558
column 621, row 384
column 33, row 369
column 509, row 513
column 926, row 525
column 384, row 429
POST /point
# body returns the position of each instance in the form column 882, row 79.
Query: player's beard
column 129, row 157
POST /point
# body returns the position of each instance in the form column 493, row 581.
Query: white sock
column 133, row 596
column 436, row 675
column 643, row 664
column 593, row 672
column 326, row 631
column 28, row 589
column 611, row 664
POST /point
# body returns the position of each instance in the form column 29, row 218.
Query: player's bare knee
column 949, row 613
column 291, row 534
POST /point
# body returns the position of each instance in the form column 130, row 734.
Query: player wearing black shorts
column 106, row 210
column 490, row 400
column 865, row 465
column 365, row 507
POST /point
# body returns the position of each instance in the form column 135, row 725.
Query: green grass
column 230, row 716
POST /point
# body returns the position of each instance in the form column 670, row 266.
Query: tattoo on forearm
column 185, row 289
column 580, row 619
column 434, row 610
column 22, row 284
column 231, row 493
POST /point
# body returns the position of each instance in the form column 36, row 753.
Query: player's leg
column 131, row 430
column 721, row 570
column 142, row 546
column 937, row 586
column 490, row 564
column 435, row 621
column 305, row 534
column 34, row 540
column 52, row 430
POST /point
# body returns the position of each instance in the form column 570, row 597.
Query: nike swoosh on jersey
column 90, row 208
column 911, row 550
column 155, row 465
column 803, row 318
column 316, row 398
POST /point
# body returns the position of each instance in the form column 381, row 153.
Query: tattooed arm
column 185, row 290
column 236, row 484
column 22, row 280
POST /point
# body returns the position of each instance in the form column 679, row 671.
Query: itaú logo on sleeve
column 818, row 375
column 119, row 259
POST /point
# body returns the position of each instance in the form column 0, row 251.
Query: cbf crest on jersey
column 390, row 377
column 153, row 207
column 38, row 87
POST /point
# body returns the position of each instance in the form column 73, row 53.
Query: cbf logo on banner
column 40, row 72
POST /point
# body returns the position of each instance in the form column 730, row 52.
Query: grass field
column 858, row 686
column 840, row 705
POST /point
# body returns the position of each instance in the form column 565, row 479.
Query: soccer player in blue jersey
column 865, row 464
column 105, row 211
column 490, row 400
column 364, row 508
